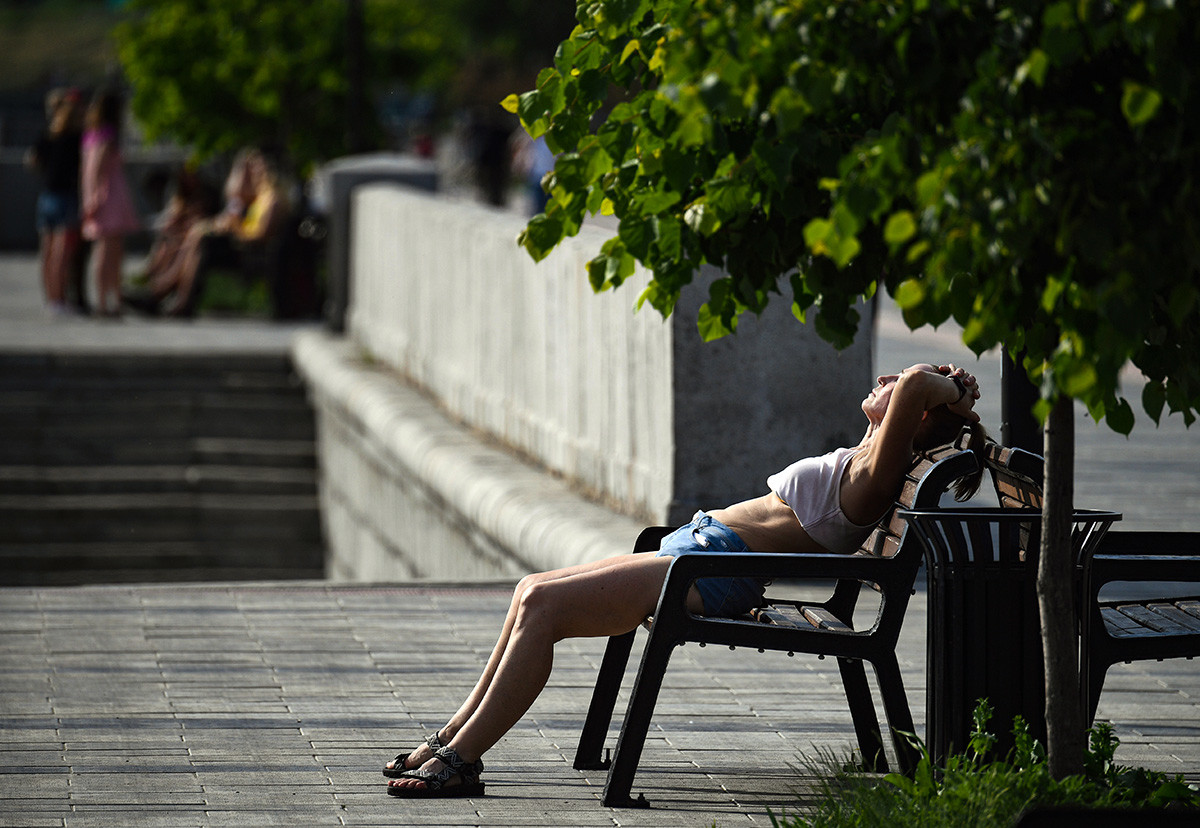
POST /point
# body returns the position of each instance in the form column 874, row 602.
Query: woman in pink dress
column 108, row 212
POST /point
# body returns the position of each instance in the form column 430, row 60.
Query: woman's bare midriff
column 767, row 524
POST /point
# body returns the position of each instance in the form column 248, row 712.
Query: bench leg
column 637, row 721
column 1091, row 676
column 895, row 707
column 604, row 698
column 862, row 710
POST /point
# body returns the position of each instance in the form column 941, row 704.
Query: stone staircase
column 155, row 468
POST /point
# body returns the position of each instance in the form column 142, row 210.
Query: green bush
column 228, row 293
column 972, row 789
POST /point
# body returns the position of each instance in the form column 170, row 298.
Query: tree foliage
column 219, row 74
column 1029, row 169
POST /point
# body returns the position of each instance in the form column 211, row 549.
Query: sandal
column 469, row 783
column 400, row 763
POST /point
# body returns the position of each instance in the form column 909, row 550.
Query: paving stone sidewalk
column 276, row 704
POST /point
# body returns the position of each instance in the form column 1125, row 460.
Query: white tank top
column 812, row 488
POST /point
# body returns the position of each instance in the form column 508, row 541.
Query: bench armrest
column 1145, row 556
column 1150, row 543
column 684, row 569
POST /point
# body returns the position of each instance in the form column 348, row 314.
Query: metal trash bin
column 984, row 631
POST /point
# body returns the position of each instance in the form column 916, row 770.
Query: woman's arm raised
column 896, row 411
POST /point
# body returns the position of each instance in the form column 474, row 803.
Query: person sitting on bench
column 819, row 504
column 254, row 215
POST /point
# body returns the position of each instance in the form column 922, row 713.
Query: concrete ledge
column 437, row 499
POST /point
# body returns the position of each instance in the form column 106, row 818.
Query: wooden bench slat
column 1120, row 625
column 1017, row 497
column 1190, row 607
column 1151, row 619
column 781, row 615
column 825, row 620
column 1187, row 622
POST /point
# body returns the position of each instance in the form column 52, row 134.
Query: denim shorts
column 722, row 597
column 56, row 210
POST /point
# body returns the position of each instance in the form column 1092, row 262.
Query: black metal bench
column 888, row 561
column 1138, row 629
column 1116, row 631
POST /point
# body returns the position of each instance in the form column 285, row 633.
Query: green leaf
column 844, row 249
column 1074, row 378
column 1053, row 290
column 701, row 220
column 618, row 267
column 596, row 272
column 774, row 161
column 930, row 187
column 815, row 234
column 1154, row 397
column 909, row 294
column 902, row 782
column 1041, row 409
column 637, row 235
column 668, row 233
column 655, row 202
column 691, row 131
column 1139, row 103
column 1058, row 15
column 710, row 324
column 834, row 237
column 1173, row 791
column 541, row 235
column 1034, row 68
column 1119, row 417
column 900, row 227
column 789, row 108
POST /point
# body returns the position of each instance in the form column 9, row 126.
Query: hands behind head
column 968, row 391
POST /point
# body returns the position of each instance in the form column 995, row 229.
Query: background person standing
column 108, row 212
column 56, row 157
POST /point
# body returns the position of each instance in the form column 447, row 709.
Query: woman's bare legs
column 59, row 245
column 182, row 274
column 46, row 258
column 109, row 252
column 605, row 598
column 455, row 722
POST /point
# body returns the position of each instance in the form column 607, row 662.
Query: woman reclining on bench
column 820, row 504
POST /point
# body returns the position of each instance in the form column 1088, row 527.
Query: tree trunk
column 1065, row 725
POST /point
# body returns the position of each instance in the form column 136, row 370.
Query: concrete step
column 79, row 450
column 69, row 403
column 62, row 480
column 125, row 421
column 142, row 517
column 163, row 467
column 60, row 564
column 255, row 452
column 47, row 371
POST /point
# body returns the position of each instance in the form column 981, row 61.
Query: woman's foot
column 412, row 760
column 446, row 774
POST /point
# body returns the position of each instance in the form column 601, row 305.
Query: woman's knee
column 539, row 601
column 529, row 582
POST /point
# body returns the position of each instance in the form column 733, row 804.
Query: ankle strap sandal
column 440, row 784
column 400, row 763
